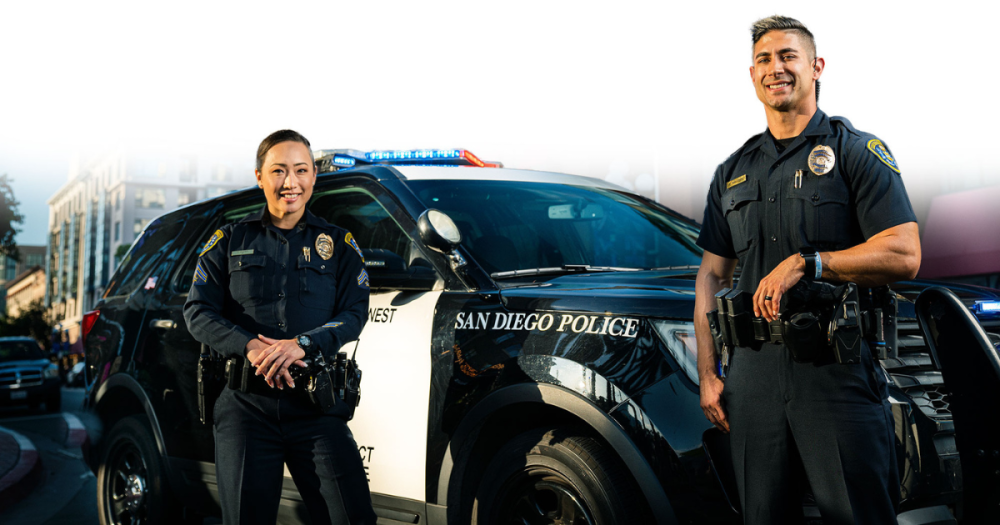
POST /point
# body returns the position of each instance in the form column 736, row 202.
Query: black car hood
column 668, row 294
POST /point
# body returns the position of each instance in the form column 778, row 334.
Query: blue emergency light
column 341, row 160
column 989, row 307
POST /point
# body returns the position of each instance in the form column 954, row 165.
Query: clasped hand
column 272, row 357
column 767, row 298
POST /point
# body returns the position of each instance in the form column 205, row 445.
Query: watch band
column 814, row 264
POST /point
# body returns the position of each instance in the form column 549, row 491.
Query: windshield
column 16, row 350
column 509, row 225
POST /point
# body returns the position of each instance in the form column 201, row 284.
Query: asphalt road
column 67, row 492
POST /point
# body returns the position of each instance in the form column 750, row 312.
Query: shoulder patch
column 216, row 237
column 875, row 146
column 349, row 239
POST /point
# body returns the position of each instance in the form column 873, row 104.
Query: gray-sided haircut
column 284, row 135
column 783, row 23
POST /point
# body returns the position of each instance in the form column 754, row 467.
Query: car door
column 390, row 425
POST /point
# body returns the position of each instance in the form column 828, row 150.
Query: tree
column 9, row 215
column 33, row 321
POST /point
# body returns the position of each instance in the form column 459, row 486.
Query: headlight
column 50, row 372
column 679, row 339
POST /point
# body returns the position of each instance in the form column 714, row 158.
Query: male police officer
column 811, row 198
column 276, row 287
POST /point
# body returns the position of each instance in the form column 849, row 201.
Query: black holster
column 211, row 381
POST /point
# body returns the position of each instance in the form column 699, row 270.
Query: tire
column 54, row 403
column 558, row 477
column 131, row 482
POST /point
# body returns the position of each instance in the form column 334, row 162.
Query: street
column 66, row 489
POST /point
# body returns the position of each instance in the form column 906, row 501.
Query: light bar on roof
column 341, row 160
column 989, row 307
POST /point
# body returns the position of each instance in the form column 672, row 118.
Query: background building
column 10, row 269
column 103, row 207
column 24, row 289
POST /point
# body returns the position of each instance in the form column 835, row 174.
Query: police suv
column 529, row 357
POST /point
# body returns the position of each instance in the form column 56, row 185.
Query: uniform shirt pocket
column 317, row 283
column 247, row 274
column 820, row 208
column 742, row 209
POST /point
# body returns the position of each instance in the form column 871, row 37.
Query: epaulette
column 846, row 124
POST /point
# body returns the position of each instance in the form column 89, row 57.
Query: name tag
column 241, row 252
column 738, row 180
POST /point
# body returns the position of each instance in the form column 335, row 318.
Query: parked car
column 539, row 365
column 27, row 377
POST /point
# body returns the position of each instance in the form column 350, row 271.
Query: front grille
column 914, row 372
column 9, row 378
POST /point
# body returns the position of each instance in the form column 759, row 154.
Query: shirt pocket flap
column 245, row 262
column 736, row 198
column 824, row 192
column 318, row 266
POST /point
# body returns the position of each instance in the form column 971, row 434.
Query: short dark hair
column 783, row 23
column 284, row 135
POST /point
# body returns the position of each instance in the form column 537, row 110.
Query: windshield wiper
column 556, row 270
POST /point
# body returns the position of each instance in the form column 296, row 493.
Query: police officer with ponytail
column 277, row 288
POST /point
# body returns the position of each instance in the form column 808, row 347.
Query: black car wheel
column 555, row 477
column 131, row 485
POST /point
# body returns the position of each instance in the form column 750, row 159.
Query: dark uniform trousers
column 256, row 435
column 830, row 419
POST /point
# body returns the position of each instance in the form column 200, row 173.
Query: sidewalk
column 20, row 468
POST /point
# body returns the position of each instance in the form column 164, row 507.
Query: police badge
column 324, row 246
column 821, row 160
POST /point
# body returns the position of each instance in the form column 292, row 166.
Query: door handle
column 166, row 324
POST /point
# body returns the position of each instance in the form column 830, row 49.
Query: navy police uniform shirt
column 761, row 212
column 253, row 278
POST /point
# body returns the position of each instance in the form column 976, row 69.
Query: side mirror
column 438, row 231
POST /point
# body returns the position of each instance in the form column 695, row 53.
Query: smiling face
column 287, row 176
column 785, row 72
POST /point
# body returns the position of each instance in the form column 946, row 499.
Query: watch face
column 304, row 341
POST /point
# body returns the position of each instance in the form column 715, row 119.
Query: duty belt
column 814, row 317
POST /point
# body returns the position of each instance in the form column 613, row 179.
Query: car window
column 374, row 228
column 509, row 225
column 156, row 240
column 15, row 350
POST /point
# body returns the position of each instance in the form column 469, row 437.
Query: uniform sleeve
column 880, row 197
column 203, row 309
column 715, row 236
column 351, row 311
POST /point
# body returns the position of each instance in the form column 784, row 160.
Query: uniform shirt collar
column 818, row 125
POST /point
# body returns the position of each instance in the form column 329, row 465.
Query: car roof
column 500, row 174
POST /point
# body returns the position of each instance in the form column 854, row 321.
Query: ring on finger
column 767, row 297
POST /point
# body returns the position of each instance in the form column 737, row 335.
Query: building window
column 118, row 230
column 186, row 196
column 118, row 202
column 139, row 225
column 150, row 198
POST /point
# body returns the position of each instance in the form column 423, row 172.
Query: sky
column 632, row 92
